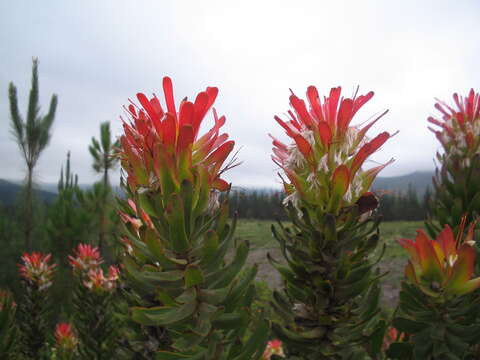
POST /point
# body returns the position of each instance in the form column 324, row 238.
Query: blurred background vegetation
column 54, row 219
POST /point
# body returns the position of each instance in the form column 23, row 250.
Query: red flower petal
column 341, row 180
column 185, row 138
column 360, row 101
column 186, row 114
column 332, row 106
column 368, row 149
column 344, row 116
column 325, row 133
column 301, row 110
column 446, row 239
column 169, row 130
column 303, row 146
column 169, row 99
column 314, row 100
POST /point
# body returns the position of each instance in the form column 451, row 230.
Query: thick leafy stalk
column 331, row 294
column 186, row 279
column 329, row 304
column 35, row 308
column 94, row 305
column 456, row 182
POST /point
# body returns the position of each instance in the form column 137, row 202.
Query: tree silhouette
column 32, row 136
column 103, row 161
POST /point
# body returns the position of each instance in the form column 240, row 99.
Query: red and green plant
column 329, row 304
column 94, row 304
column 457, row 179
column 188, row 296
column 36, row 273
column 438, row 309
column 65, row 342
column 274, row 347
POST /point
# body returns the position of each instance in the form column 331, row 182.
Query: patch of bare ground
column 390, row 283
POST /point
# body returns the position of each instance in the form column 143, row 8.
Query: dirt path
column 390, row 283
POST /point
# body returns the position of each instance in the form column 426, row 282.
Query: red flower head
column 274, row 347
column 391, row 336
column 459, row 131
column 65, row 337
column 445, row 265
column 161, row 147
column 97, row 281
column 324, row 162
column 86, row 257
column 36, row 270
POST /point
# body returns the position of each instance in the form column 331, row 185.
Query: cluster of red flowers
column 161, row 147
column 274, row 347
column 36, row 270
column 460, row 128
column 65, row 337
column 447, row 261
column 85, row 258
column 325, row 159
column 86, row 264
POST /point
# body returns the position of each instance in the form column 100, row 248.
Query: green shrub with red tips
column 94, row 303
column 65, row 342
column 184, row 293
column 439, row 307
column 36, row 273
column 442, row 267
column 457, row 178
column 329, row 304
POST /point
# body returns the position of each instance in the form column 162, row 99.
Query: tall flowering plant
column 94, row 304
column 330, row 300
column 438, row 309
column 36, row 273
column 457, row 178
column 65, row 342
column 190, row 300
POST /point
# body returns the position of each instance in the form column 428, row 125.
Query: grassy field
column 258, row 233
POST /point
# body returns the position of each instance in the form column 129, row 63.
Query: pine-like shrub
column 183, row 262
column 329, row 303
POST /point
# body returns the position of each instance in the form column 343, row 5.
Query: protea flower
column 330, row 297
column 36, row 269
column 177, row 231
column 274, row 347
column 460, row 127
column 444, row 265
column 97, row 281
column 324, row 162
column 86, row 257
column 161, row 147
column 457, row 177
column 64, row 336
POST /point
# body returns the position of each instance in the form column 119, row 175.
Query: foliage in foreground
column 178, row 235
column 186, row 292
column 329, row 305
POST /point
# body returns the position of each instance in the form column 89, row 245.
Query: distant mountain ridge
column 10, row 191
column 420, row 180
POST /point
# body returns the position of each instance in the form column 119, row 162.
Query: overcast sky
column 97, row 54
